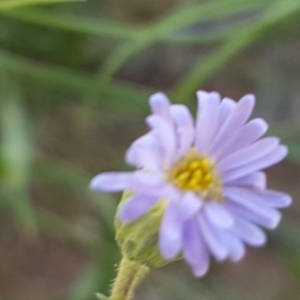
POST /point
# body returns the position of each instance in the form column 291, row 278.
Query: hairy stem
column 130, row 274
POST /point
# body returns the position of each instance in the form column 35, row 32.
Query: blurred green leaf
column 86, row 287
column 109, row 28
column 16, row 154
column 176, row 289
column 222, row 290
column 202, row 71
column 66, row 175
column 294, row 149
column 287, row 239
column 16, row 145
column 19, row 202
column 71, row 22
column 127, row 96
column 57, row 226
column 8, row 4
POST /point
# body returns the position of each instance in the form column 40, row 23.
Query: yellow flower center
column 196, row 173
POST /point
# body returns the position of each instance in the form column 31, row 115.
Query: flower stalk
column 130, row 274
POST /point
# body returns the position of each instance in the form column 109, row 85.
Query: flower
column 208, row 176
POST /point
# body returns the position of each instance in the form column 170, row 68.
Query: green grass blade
column 203, row 39
column 55, row 225
column 120, row 94
column 16, row 146
column 74, row 23
column 176, row 289
column 222, row 291
column 108, row 28
column 171, row 24
column 287, row 240
column 19, row 203
column 68, row 176
column 205, row 69
column 8, row 4
column 294, row 149
column 16, row 154
column 86, row 287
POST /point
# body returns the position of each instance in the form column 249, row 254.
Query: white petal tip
column 202, row 94
column 263, row 124
column 249, row 97
column 237, row 259
column 95, row 183
column 200, row 272
column 287, row 201
column 110, row 181
column 151, row 121
column 158, row 98
column 275, row 222
column 260, row 243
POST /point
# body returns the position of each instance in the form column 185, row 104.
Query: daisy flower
column 208, row 173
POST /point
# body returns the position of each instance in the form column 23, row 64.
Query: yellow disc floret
column 196, row 173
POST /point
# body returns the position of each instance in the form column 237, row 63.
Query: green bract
column 139, row 240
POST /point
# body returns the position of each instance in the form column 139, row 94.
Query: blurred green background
column 75, row 77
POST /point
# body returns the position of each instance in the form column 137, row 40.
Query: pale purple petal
column 194, row 249
column 265, row 220
column 185, row 128
column 149, row 159
column 212, row 238
column 256, row 180
column 171, row 192
column 170, row 234
column 218, row 214
column 277, row 155
column 181, row 115
column 207, row 119
column 276, row 199
column 243, row 198
column 248, row 154
column 249, row 233
column 227, row 106
column 186, row 139
column 248, row 134
column 232, row 125
column 142, row 157
column 160, row 105
column 136, row 207
column 188, row 205
column 236, row 249
column 145, row 152
column 111, row 181
column 146, row 182
column 166, row 136
column 273, row 198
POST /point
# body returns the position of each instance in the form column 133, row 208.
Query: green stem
column 130, row 274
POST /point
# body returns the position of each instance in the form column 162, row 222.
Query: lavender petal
column 249, row 233
column 111, row 181
column 194, row 249
column 248, row 155
column 218, row 214
column 277, row 155
column 207, row 119
column 136, row 207
column 212, row 238
column 170, row 234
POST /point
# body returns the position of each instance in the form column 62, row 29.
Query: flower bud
column 138, row 240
